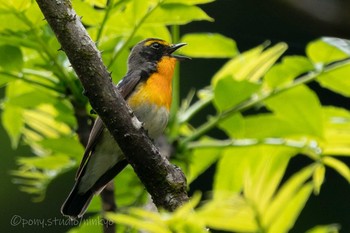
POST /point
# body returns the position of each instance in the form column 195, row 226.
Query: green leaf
column 99, row 3
column 189, row 2
column 338, row 166
column 336, row 80
column 281, row 204
column 87, row 225
column 251, row 65
column 138, row 223
column 56, row 162
column 5, row 78
column 201, row 160
column 208, row 45
column 231, row 214
column 318, row 178
column 71, row 147
column 320, row 51
column 268, row 125
column 287, row 70
column 229, row 173
column 90, row 16
column 157, row 31
column 18, row 5
column 176, row 14
column 11, row 58
column 127, row 196
column 258, row 168
column 341, row 44
column 332, row 228
column 288, row 215
column 265, row 174
column 233, row 126
column 32, row 99
column 12, row 120
column 301, row 108
column 229, row 92
column 337, row 131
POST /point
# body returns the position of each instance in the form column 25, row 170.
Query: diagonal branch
column 165, row 182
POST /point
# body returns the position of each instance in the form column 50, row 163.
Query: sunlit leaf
column 229, row 92
column 320, row 51
column 50, row 162
column 71, row 147
column 332, row 228
column 289, row 212
column 189, row 2
column 233, row 126
column 200, row 160
column 265, row 173
column 209, row 45
column 251, row 65
column 318, row 178
column 90, row 16
column 18, row 5
column 336, row 80
column 337, row 131
column 338, row 166
column 230, row 214
column 173, row 13
column 302, row 110
column 342, row 44
column 137, row 223
column 230, row 171
column 99, row 3
column 87, row 225
column 259, row 168
column 273, row 215
column 268, row 125
column 284, row 72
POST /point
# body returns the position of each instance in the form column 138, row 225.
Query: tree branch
column 165, row 182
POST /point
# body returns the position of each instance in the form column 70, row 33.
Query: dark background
column 250, row 23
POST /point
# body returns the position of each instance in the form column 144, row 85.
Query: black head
column 150, row 51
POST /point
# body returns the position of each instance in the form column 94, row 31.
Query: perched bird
column 147, row 88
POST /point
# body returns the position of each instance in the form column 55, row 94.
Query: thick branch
column 165, row 183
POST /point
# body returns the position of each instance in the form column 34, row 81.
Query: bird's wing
column 125, row 87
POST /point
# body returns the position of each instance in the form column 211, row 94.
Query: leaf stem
column 104, row 21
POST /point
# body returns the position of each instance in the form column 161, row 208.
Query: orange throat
column 157, row 89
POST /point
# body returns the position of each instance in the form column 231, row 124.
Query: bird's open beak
column 175, row 47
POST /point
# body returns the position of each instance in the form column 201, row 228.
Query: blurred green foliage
column 248, row 193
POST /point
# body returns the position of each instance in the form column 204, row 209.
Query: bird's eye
column 155, row 45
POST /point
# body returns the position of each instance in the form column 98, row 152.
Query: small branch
column 165, row 182
column 299, row 144
column 303, row 79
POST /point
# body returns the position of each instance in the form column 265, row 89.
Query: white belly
column 107, row 152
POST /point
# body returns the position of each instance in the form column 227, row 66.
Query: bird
column 147, row 88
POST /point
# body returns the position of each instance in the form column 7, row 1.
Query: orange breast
column 158, row 88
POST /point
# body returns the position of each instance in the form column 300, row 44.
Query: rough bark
column 165, row 182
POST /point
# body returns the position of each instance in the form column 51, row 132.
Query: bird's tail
column 76, row 203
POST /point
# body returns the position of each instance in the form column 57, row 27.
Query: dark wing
column 125, row 87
